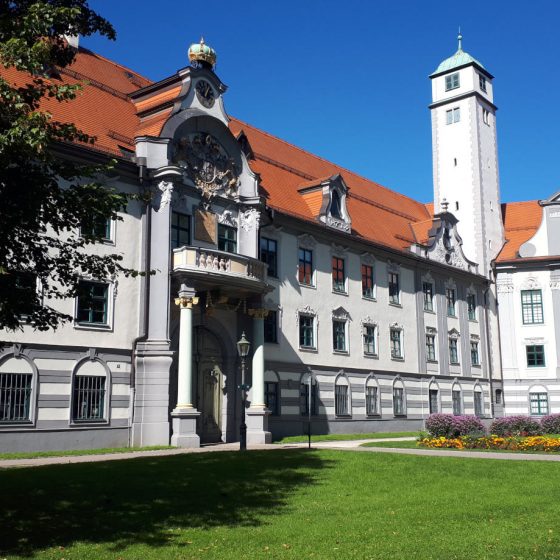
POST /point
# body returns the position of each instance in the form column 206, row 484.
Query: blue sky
column 348, row 81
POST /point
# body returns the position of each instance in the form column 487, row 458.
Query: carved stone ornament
column 307, row 310
column 396, row 326
column 250, row 219
column 337, row 223
column 431, row 330
column 531, row 284
column 307, row 241
column 338, row 249
column 393, row 266
column 504, row 286
column 448, row 256
column 367, row 321
column 368, row 258
column 340, row 313
column 227, row 218
column 207, row 165
column 555, row 284
column 454, row 333
column 166, row 189
column 450, row 283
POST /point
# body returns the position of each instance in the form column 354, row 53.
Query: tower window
column 452, row 81
column 453, row 115
column 486, row 116
column 482, row 81
column 456, row 202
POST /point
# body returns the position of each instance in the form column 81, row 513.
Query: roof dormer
column 326, row 198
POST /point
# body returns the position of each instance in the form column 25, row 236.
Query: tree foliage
column 44, row 199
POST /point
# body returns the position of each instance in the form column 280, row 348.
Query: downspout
column 146, row 260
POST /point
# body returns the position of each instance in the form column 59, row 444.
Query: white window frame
column 111, row 297
column 452, row 81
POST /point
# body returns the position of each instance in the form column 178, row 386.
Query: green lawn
column 283, row 504
column 73, row 452
column 346, row 437
column 399, row 444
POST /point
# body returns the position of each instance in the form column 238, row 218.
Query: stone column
column 185, row 414
column 257, row 415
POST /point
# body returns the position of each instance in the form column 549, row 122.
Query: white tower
column 465, row 154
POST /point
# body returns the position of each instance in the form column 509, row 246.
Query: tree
column 44, row 199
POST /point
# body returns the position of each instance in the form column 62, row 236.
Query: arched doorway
column 209, row 386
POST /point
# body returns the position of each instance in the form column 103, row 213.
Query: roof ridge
column 346, row 170
column 115, row 64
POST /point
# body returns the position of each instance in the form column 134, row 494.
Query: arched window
column 457, row 399
column 372, row 397
column 538, row 400
column 478, row 401
column 90, row 392
column 17, row 384
column 272, row 392
column 342, row 396
column 335, row 205
column 433, row 397
column 399, row 398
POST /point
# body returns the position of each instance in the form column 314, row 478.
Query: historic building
column 366, row 310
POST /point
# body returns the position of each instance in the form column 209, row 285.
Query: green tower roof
column 460, row 58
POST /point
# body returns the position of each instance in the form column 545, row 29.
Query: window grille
column 539, row 403
column 456, row 399
column 341, row 400
column 304, row 399
column 434, row 404
column 89, row 398
column 15, row 397
column 478, row 408
column 398, row 401
column 271, row 397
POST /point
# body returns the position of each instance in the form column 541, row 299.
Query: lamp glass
column 243, row 346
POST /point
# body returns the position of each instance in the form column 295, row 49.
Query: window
column 538, row 404
column 341, row 397
column 431, row 347
column 338, row 276
column 428, row 289
column 475, row 359
column 306, row 331
column 89, row 398
column 271, row 327
column 535, row 355
column 180, row 230
column 532, row 307
column 93, row 303
column 304, row 399
column 499, row 396
column 269, row 255
column 339, row 335
column 486, row 116
column 396, row 347
column 22, row 287
column 227, row 238
column 96, row 227
column 15, row 397
column 371, row 401
column 453, row 351
column 452, row 81
column 394, row 290
column 478, row 404
column 482, row 82
column 335, row 205
column 450, row 298
column 367, row 281
column 434, row 401
column 305, row 267
column 399, row 405
column 456, row 402
column 271, row 397
column 369, row 336
column 453, row 115
column 471, row 307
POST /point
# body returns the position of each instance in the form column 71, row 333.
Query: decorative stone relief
column 166, row 189
column 393, row 267
column 504, row 286
column 307, row 310
column 454, row 333
column 341, row 313
column 431, row 330
column 307, row 241
column 207, row 165
column 227, row 218
column 397, row 326
column 250, row 219
column 368, row 258
column 338, row 249
column 450, row 284
column 367, row 321
column 531, row 283
column 337, row 223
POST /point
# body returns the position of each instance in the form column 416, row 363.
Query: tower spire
column 460, row 40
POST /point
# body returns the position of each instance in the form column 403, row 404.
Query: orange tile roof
column 521, row 221
column 104, row 110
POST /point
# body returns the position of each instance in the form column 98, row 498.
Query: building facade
column 366, row 310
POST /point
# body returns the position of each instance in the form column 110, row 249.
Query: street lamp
column 243, row 346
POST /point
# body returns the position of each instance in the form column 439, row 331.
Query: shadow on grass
column 149, row 500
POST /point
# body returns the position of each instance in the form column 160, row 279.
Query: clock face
column 205, row 93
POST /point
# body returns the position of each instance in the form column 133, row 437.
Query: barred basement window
column 457, row 402
column 371, row 401
column 399, row 405
column 271, row 397
column 341, row 398
column 478, row 404
column 304, row 399
column 434, row 401
column 89, row 398
column 15, row 397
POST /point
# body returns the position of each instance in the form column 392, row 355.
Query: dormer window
column 452, row 81
column 335, row 205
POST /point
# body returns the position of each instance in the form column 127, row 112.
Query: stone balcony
column 207, row 269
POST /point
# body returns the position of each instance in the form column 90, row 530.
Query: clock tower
column 465, row 153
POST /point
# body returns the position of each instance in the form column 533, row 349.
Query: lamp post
column 243, row 346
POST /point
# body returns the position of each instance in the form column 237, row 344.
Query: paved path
column 350, row 445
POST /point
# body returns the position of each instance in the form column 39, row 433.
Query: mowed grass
column 283, row 504
column 77, row 452
column 346, row 437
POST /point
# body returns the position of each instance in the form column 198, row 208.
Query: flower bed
column 509, row 443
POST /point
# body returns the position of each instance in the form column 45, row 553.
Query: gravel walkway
column 352, row 445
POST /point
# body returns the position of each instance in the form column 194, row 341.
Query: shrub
column 551, row 424
column 515, row 426
column 448, row 425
